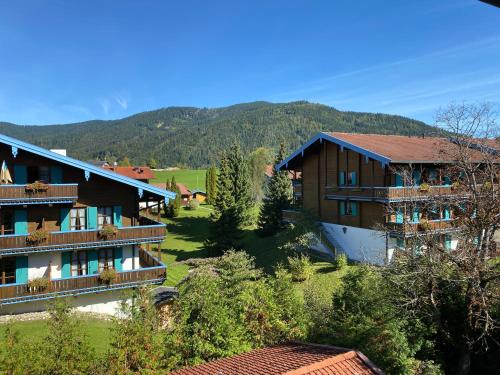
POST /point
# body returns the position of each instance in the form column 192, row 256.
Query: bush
column 193, row 205
column 36, row 237
column 341, row 261
column 300, row 267
column 107, row 276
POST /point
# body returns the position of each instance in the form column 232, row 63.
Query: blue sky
column 67, row 61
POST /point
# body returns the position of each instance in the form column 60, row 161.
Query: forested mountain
column 193, row 136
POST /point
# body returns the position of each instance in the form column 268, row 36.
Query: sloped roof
column 137, row 173
column 182, row 188
column 394, row 148
column 289, row 359
column 89, row 169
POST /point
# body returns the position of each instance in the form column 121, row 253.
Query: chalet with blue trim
column 64, row 222
column 358, row 185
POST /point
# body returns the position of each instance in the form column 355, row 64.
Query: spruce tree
column 173, row 207
column 211, row 184
column 278, row 197
column 232, row 202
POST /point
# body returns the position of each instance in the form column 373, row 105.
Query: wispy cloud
column 105, row 105
column 122, row 102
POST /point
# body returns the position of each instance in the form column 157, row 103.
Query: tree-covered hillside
column 194, row 136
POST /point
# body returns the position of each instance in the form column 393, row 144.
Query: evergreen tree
column 174, row 205
column 125, row 162
column 211, row 184
column 240, row 182
column 152, row 163
column 278, row 197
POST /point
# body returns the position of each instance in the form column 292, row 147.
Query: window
column 447, row 242
column 7, row 223
column 351, row 179
column 8, row 270
column 348, row 208
column 106, row 257
column 38, row 173
column 104, row 216
column 78, row 263
column 44, row 174
column 77, row 218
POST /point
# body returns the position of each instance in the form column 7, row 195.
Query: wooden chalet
column 63, row 222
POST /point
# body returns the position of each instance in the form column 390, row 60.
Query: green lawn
column 192, row 178
column 97, row 331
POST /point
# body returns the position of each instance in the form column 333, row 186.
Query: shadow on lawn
column 194, row 229
column 181, row 255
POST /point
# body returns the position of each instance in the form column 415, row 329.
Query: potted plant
column 455, row 185
column 424, row 225
column 108, row 276
column 36, row 187
column 425, row 187
column 108, row 231
column 38, row 284
column 37, row 237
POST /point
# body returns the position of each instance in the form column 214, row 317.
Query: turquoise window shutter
column 91, row 217
column 447, row 242
column 64, row 219
column 417, row 177
column 341, row 178
column 22, row 269
column 117, row 216
column 66, row 264
column 400, row 243
column 447, row 180
column 399, row 180
column 20, row 174
column 342, row 207
column 20, row 222
column 55, row 175
column 446, row 214
column 118, row 259
column 399, row 215
column 416, row 216
column 92, row 262
column 354, row 180
column 354, row 208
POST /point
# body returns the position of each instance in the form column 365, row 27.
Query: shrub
column 341, row 261
column 108, row 276
column 193, row 205
column 36, row 237
column 36, row 187
column 425, row 225
column 300, row 267
column 455, row 185
column 38, row 284
column 108, row 231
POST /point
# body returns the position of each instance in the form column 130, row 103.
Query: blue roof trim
column 86, row 167
column 324, row 136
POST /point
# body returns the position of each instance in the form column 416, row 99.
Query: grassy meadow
column 192, row 178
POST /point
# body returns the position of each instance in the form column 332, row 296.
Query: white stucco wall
column 362, row 245
column 103, row 303
column 38, row 265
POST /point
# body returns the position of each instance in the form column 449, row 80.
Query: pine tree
column 211, row 184
column 240, row 181
column 278, row 197
column 152, row 163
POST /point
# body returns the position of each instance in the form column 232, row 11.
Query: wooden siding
column 54, row 193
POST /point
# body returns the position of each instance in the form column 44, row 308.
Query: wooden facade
column 75, row 208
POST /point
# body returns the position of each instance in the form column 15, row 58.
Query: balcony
column 51, row 193
column 153, row 273
column 148, row 231
column 429, row 226
column 389, row 193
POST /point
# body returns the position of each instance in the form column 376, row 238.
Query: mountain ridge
column 193, row 136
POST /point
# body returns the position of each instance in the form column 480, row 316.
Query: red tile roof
column 182, row 188
column 289, row 359
column 138, row 173
column 400, row 148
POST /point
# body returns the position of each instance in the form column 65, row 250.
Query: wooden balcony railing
column 424, row 226
column 389, row 193
column 55, row 193
column 17, row 293
column 81, row 239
